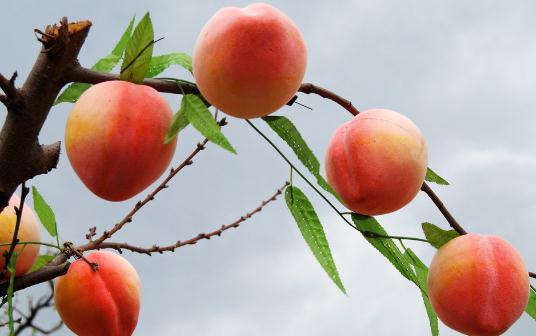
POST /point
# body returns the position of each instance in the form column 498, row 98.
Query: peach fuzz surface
column 377, row 162
column 28, row 231
column 105, row 302
column 114, row 138
column 478, row 285
column 249, row 62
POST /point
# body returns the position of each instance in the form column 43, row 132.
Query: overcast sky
column 464, row 72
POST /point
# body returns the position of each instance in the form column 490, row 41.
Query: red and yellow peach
column 249, row 62
column 28, row 231
column 105, row 302
column 114, row 138
column 478, row 285
column 377, row 162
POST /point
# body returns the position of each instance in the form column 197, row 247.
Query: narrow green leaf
column 431, row 176
column 44, row 212
column 40, row 261
column 531, row 306
column 106, row 64
column 138, row 51
column 160, row 63
column 385, row 246
column 436, row 236
column 200, row 117
column 311, row 229
column 11, row 269
column 178, row 123
column 290, row 134
column 421, row 272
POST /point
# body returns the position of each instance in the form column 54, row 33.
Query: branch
column 59, row 265
column 12, row 98
column 439, row 204
column 192, row 241
column 21, row 155
column 15, row 239
column 346, row 104
column 309, row 88
column 83, row 75
column 42, row 303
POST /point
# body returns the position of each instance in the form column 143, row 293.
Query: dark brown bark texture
column 21, row 155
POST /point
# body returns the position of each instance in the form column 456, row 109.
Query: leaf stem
column 33, row 243
column 301, row 174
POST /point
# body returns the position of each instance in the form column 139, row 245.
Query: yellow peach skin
column 377, row 162
column 28, row 231
column 249, row 62
column 99, row 303
column 114, row 138
column 478, row 285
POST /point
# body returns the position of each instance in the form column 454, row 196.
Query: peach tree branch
column 59, row 265
column 43, row 303
column 192, row 241
column 21, row 155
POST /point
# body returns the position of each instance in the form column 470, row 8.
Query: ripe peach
column 28, row 231
column 249, row 62
column 114, row 138
column 478, row 284
column 105, row 302
column 377, row 161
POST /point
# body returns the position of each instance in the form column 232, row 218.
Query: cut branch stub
column 21, row 155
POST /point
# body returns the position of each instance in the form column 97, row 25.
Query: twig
column 15, row 239
column 59, row 266
column 42, row 303
column 140, row 53
column 308, row 88
column 19, row 320
column 8, row 86
column 192, row 241
column 84, row 75
column 439, row 204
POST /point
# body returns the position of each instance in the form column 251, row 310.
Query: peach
column 377, row 162
column 28, row 231
column 105, row 302
column 249, row 62
column 114, row 138
column 478, row 285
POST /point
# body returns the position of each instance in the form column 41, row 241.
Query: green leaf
column 138, row 51
column 40, row 261
column 160, row 63
column 436, row 236
column 369, row 226
column 290, row 134
column 431, row 176
column 421, row 272
column 106, row 64
column 11, row 269
column 311, row 229
column 531, row 306
column 200, row 117
column 44, row 212
column 178, row 123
